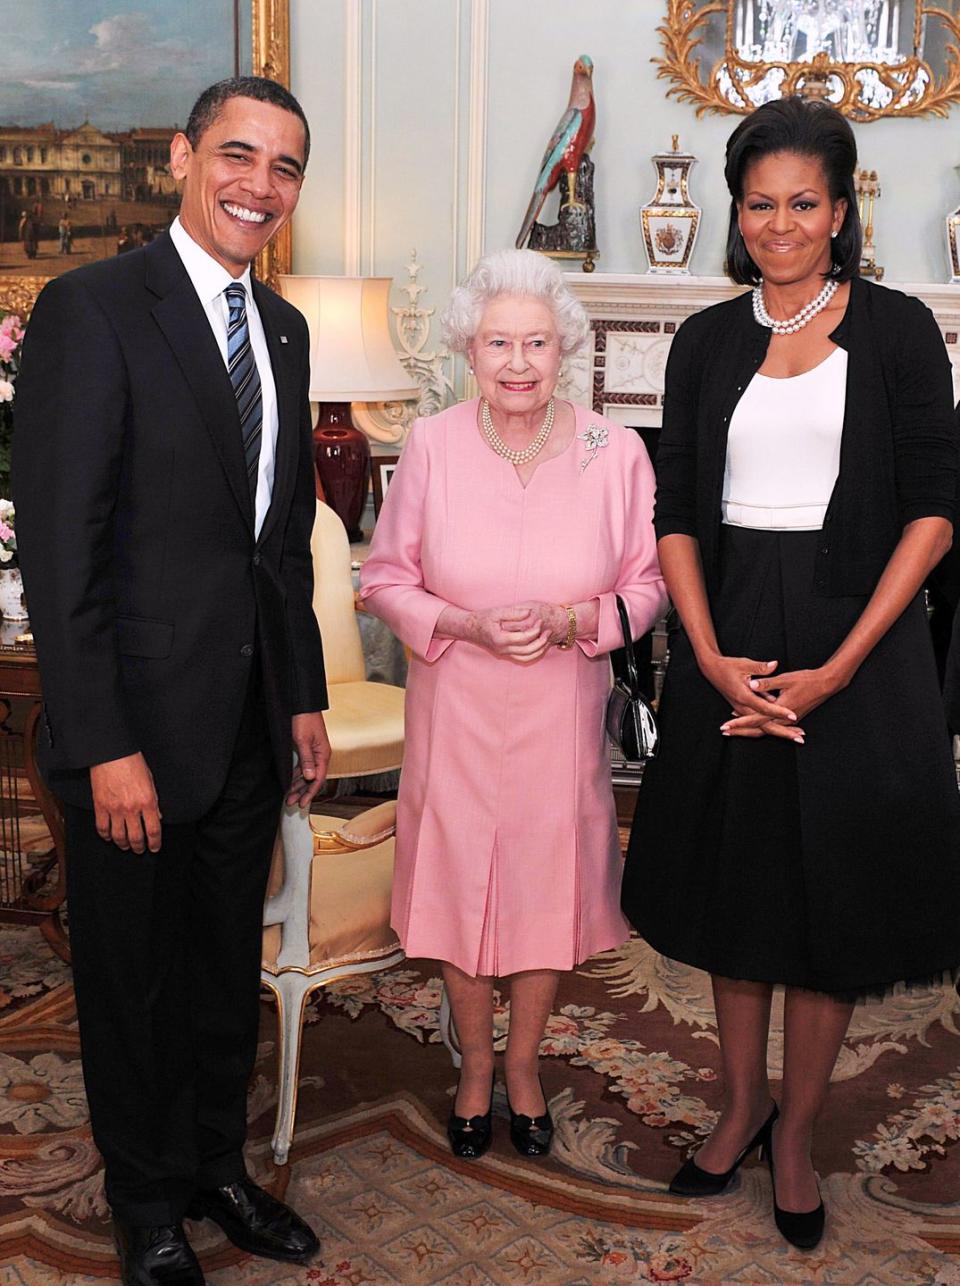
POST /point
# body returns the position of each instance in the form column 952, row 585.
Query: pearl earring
column 833, row 235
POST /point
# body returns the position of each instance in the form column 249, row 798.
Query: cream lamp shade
column 352, row 357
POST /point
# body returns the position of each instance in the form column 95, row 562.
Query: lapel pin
column 283, row 339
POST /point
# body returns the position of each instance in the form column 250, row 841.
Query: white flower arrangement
column 8, row 535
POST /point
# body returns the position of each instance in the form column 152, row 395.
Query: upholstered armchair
column 327, row 914
column 365, row 720
column 327, row 917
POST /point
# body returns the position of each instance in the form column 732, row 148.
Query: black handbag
column 630, row 720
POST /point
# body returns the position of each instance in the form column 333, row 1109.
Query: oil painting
column 87, row 115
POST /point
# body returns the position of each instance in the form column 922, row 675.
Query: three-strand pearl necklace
column 792, row 324
column 501, row 448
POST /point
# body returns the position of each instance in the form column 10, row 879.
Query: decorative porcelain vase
column 670, row 221
column 953, row 244
column 342, row 456
column 952, row 222
column 11, row 595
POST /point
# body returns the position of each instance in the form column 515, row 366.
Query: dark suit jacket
column 150, row 598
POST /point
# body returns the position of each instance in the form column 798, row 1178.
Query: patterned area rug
column 631, row 1071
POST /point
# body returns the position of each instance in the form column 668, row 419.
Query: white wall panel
column 413, row 141
column 317, row 46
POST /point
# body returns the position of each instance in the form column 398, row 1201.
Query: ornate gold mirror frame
column 909, row 84
column 270, row 28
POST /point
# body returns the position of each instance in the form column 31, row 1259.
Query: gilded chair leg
column 291, row 990
column 448, row 1029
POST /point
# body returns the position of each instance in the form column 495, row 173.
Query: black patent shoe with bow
column 531, row 1135
column 470, row 1136
column 691, row 1181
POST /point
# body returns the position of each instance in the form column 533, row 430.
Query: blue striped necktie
column 245, row 379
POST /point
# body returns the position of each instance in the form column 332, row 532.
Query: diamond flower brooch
column 595, row 436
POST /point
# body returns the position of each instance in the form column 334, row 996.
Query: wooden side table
column 32, row 885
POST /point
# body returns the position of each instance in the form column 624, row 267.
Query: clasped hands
column 522, row 632
column 765, row 704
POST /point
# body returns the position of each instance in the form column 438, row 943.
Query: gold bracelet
column 571, row 628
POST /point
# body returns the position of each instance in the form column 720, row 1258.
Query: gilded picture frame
column 269, row 25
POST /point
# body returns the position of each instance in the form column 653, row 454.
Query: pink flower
column 7, row 347
column 6, row 390
column 6, row 533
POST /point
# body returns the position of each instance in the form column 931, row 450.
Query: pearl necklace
column 805, row 314
column 501, row 448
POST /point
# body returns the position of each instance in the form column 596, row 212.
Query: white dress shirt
column 210, row 279
column 783, row 448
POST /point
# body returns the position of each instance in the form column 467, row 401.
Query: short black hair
column 806, row 127
column 211, row 102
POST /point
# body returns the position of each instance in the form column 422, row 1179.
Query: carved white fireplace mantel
column 619, row 373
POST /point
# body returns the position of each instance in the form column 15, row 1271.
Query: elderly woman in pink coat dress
column 512, row 522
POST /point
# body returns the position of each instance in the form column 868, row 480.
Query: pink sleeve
column 639, row 582
column 391, row 579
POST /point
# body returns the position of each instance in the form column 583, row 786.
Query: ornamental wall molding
column 352, row 138
column 388, row 423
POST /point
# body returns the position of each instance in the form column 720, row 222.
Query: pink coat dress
column 507, row 854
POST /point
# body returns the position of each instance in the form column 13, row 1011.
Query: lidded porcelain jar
column 671, row 221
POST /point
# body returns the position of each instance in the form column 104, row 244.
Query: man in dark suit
column 165, row 498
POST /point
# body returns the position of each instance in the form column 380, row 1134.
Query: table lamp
column 352, row 359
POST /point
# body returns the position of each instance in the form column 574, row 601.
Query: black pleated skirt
column 832, row 866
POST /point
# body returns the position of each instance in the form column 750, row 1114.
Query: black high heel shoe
column 531, row 1135
column 470, row 1136
column 691, row 1181
column 804, row 1228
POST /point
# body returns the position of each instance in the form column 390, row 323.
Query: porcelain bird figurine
column 571, row 139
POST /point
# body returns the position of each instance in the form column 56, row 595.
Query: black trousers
column 166, row 962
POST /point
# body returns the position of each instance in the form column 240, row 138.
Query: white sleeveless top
column 783, row 448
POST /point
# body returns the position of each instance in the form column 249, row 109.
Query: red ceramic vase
column 342, row 456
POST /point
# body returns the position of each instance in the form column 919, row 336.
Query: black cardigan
column 898, row 452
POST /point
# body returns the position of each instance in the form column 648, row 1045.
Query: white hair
column 513, row 272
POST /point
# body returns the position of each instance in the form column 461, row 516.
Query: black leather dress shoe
column 159, row 1256
column 256, row 1222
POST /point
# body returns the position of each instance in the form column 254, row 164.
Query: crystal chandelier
column 850, row 31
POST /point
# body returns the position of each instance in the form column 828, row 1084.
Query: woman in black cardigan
column 802, row 824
